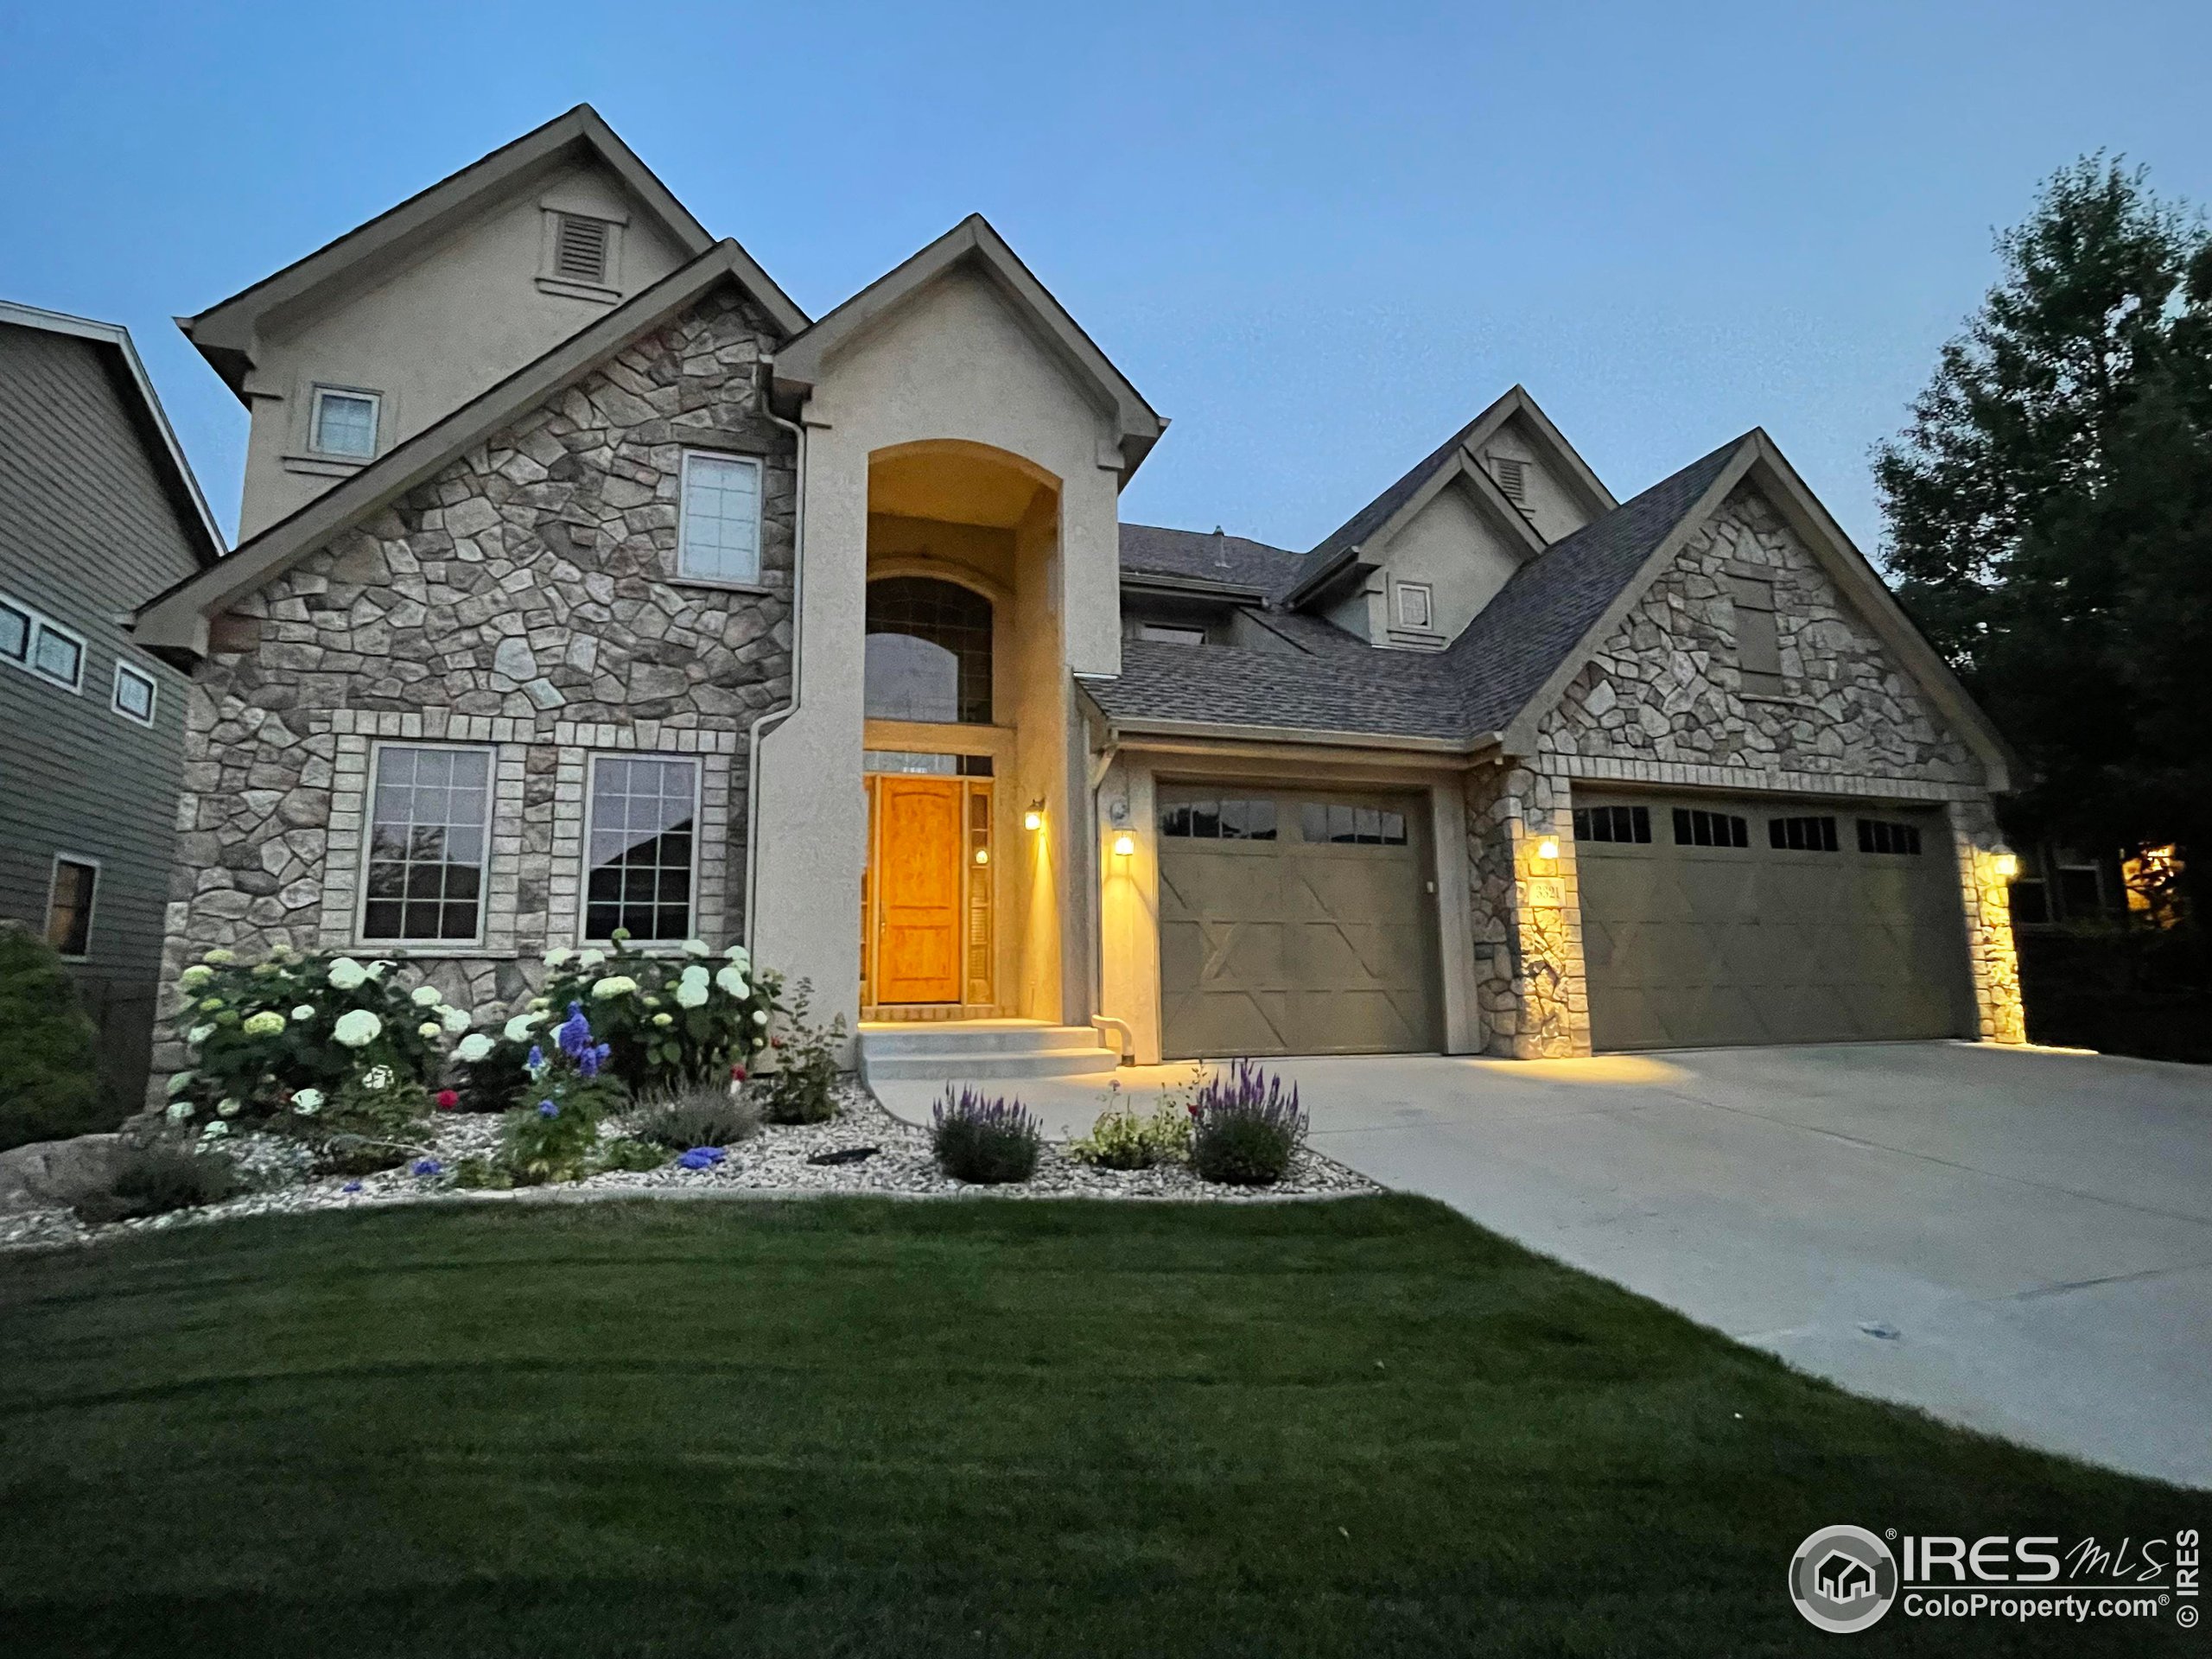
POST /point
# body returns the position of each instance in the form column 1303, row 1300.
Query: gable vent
column 580, row 250
column 1512, row 477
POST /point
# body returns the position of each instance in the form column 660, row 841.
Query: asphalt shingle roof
column 1206, row 555
column 1476, row 685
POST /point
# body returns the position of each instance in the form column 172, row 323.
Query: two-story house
column 590, row 583
column 97, row 511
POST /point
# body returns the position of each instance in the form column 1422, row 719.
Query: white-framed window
column 718, row 522
column 1165, row 634
column 641, row 846
column 38, row 645
column 428, row 844
column 135, row 693
column 69, row 899
column 16, row 627
column 342, row 422
column 1417, row 606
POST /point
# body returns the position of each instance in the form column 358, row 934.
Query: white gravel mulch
column 772, row 1164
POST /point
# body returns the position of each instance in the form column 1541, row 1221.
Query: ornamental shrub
column 1243, row 1128
column 50, row 1086
column 986, row 1142
column 669, row 1020
column 705, row 1116
column 1120, row 1139
column 802, row 1089
column 260, row 1033
column 159, row 1177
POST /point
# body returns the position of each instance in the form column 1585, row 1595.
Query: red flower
column 448, row 1100
column 737, row 1074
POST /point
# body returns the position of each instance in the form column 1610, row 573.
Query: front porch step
column 980, row 1051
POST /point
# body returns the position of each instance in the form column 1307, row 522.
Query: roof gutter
column 1133, row 732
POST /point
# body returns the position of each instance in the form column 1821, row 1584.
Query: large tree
column 2050, row 511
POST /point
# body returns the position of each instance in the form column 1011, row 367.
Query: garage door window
column 1350, row 826
column 1879, row 835
column 1802, row 834
column 1223, row 820
column 1629, row 823
column 1695, row 827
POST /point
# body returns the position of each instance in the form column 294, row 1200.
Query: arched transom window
column 929, row 651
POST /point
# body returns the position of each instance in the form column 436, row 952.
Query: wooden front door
column 918, row 889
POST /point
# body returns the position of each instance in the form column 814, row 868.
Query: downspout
column 763, row 723
column 1125, row 1039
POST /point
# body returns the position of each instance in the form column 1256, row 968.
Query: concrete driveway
column 2017, row 1240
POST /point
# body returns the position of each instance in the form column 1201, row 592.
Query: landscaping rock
column 54, row 1174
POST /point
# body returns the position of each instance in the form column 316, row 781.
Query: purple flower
column 547, row 1109
column 428, row 1167
column 591, row 1059
column 574, row 1034
column 536, row 1058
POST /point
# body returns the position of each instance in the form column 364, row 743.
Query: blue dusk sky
column 1319, row 238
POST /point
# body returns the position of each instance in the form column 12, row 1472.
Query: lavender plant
column 1245, row 1128
column 986, row 1142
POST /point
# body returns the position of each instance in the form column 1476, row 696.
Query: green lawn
column 835, row 1428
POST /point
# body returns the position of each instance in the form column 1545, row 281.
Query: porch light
column 1548, row 848
column 983, row 854
column 2007, row 866
column 1034, row 817
column 1124, row 844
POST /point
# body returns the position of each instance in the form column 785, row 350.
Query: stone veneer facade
column 1661, row 702
column 523, row 601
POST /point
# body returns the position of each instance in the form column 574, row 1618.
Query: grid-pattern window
column 929, row 651
column 428, row 830
column 1695, row 827
column 1225, row 820
column 69, row 906
column 1807, row 835
column 643, row 838
column 1625, row 824
column 718, row 525
column 1880, row 835
column 134, row 694
column 1351, row 826
column 1414, row 610
column 15, row 632
column 345, row 423
column 913, row 761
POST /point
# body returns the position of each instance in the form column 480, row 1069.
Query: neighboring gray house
column 97, row 511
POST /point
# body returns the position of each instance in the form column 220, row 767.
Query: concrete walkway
column 2020, row 1241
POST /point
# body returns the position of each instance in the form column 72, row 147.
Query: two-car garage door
column 1726, row 920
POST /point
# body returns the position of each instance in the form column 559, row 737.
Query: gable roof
column 176, row 621
column 226, row 332
column 972, row 244
column 1455, row 457
column 157, row 437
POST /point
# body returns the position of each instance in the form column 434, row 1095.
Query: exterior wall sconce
column 1034, row 817
column 1548, row 848
column 1124, row 844
column 2007, row 865
column 983, row 854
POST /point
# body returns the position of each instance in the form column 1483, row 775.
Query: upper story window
column 429, row 835
column 1167, row 633
column 1417, row 606
column 69, row 906
column 135, row 691
column 343, row 423
column 929, row 651
column 41, row 646
column 718, row 522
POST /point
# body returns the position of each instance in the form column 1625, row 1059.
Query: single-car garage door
column 1294, row 922
column 1726, row 920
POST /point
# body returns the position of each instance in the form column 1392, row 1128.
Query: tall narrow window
column 644, row 811
column 343, row 423
column 69, row 906
column 929, row 653
column 718, row 525
column 1758, row 648
column 427, row 834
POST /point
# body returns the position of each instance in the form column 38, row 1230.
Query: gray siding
column 87, row 531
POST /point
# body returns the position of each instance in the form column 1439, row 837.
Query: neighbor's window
column 69, row 906
column 58, row 654
column 1626, row 823
column 1414, row 606
column 1879, row 835
column 1164, row 633
column 134, row 694
column 1695, row 827
column 344, row 424
column 929, row 653
column 644, row 813
column 1231, row 820
column 428, row 831
column 14, row 632
column 1802, row 834
column 718, row 525
column 1364, row 826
